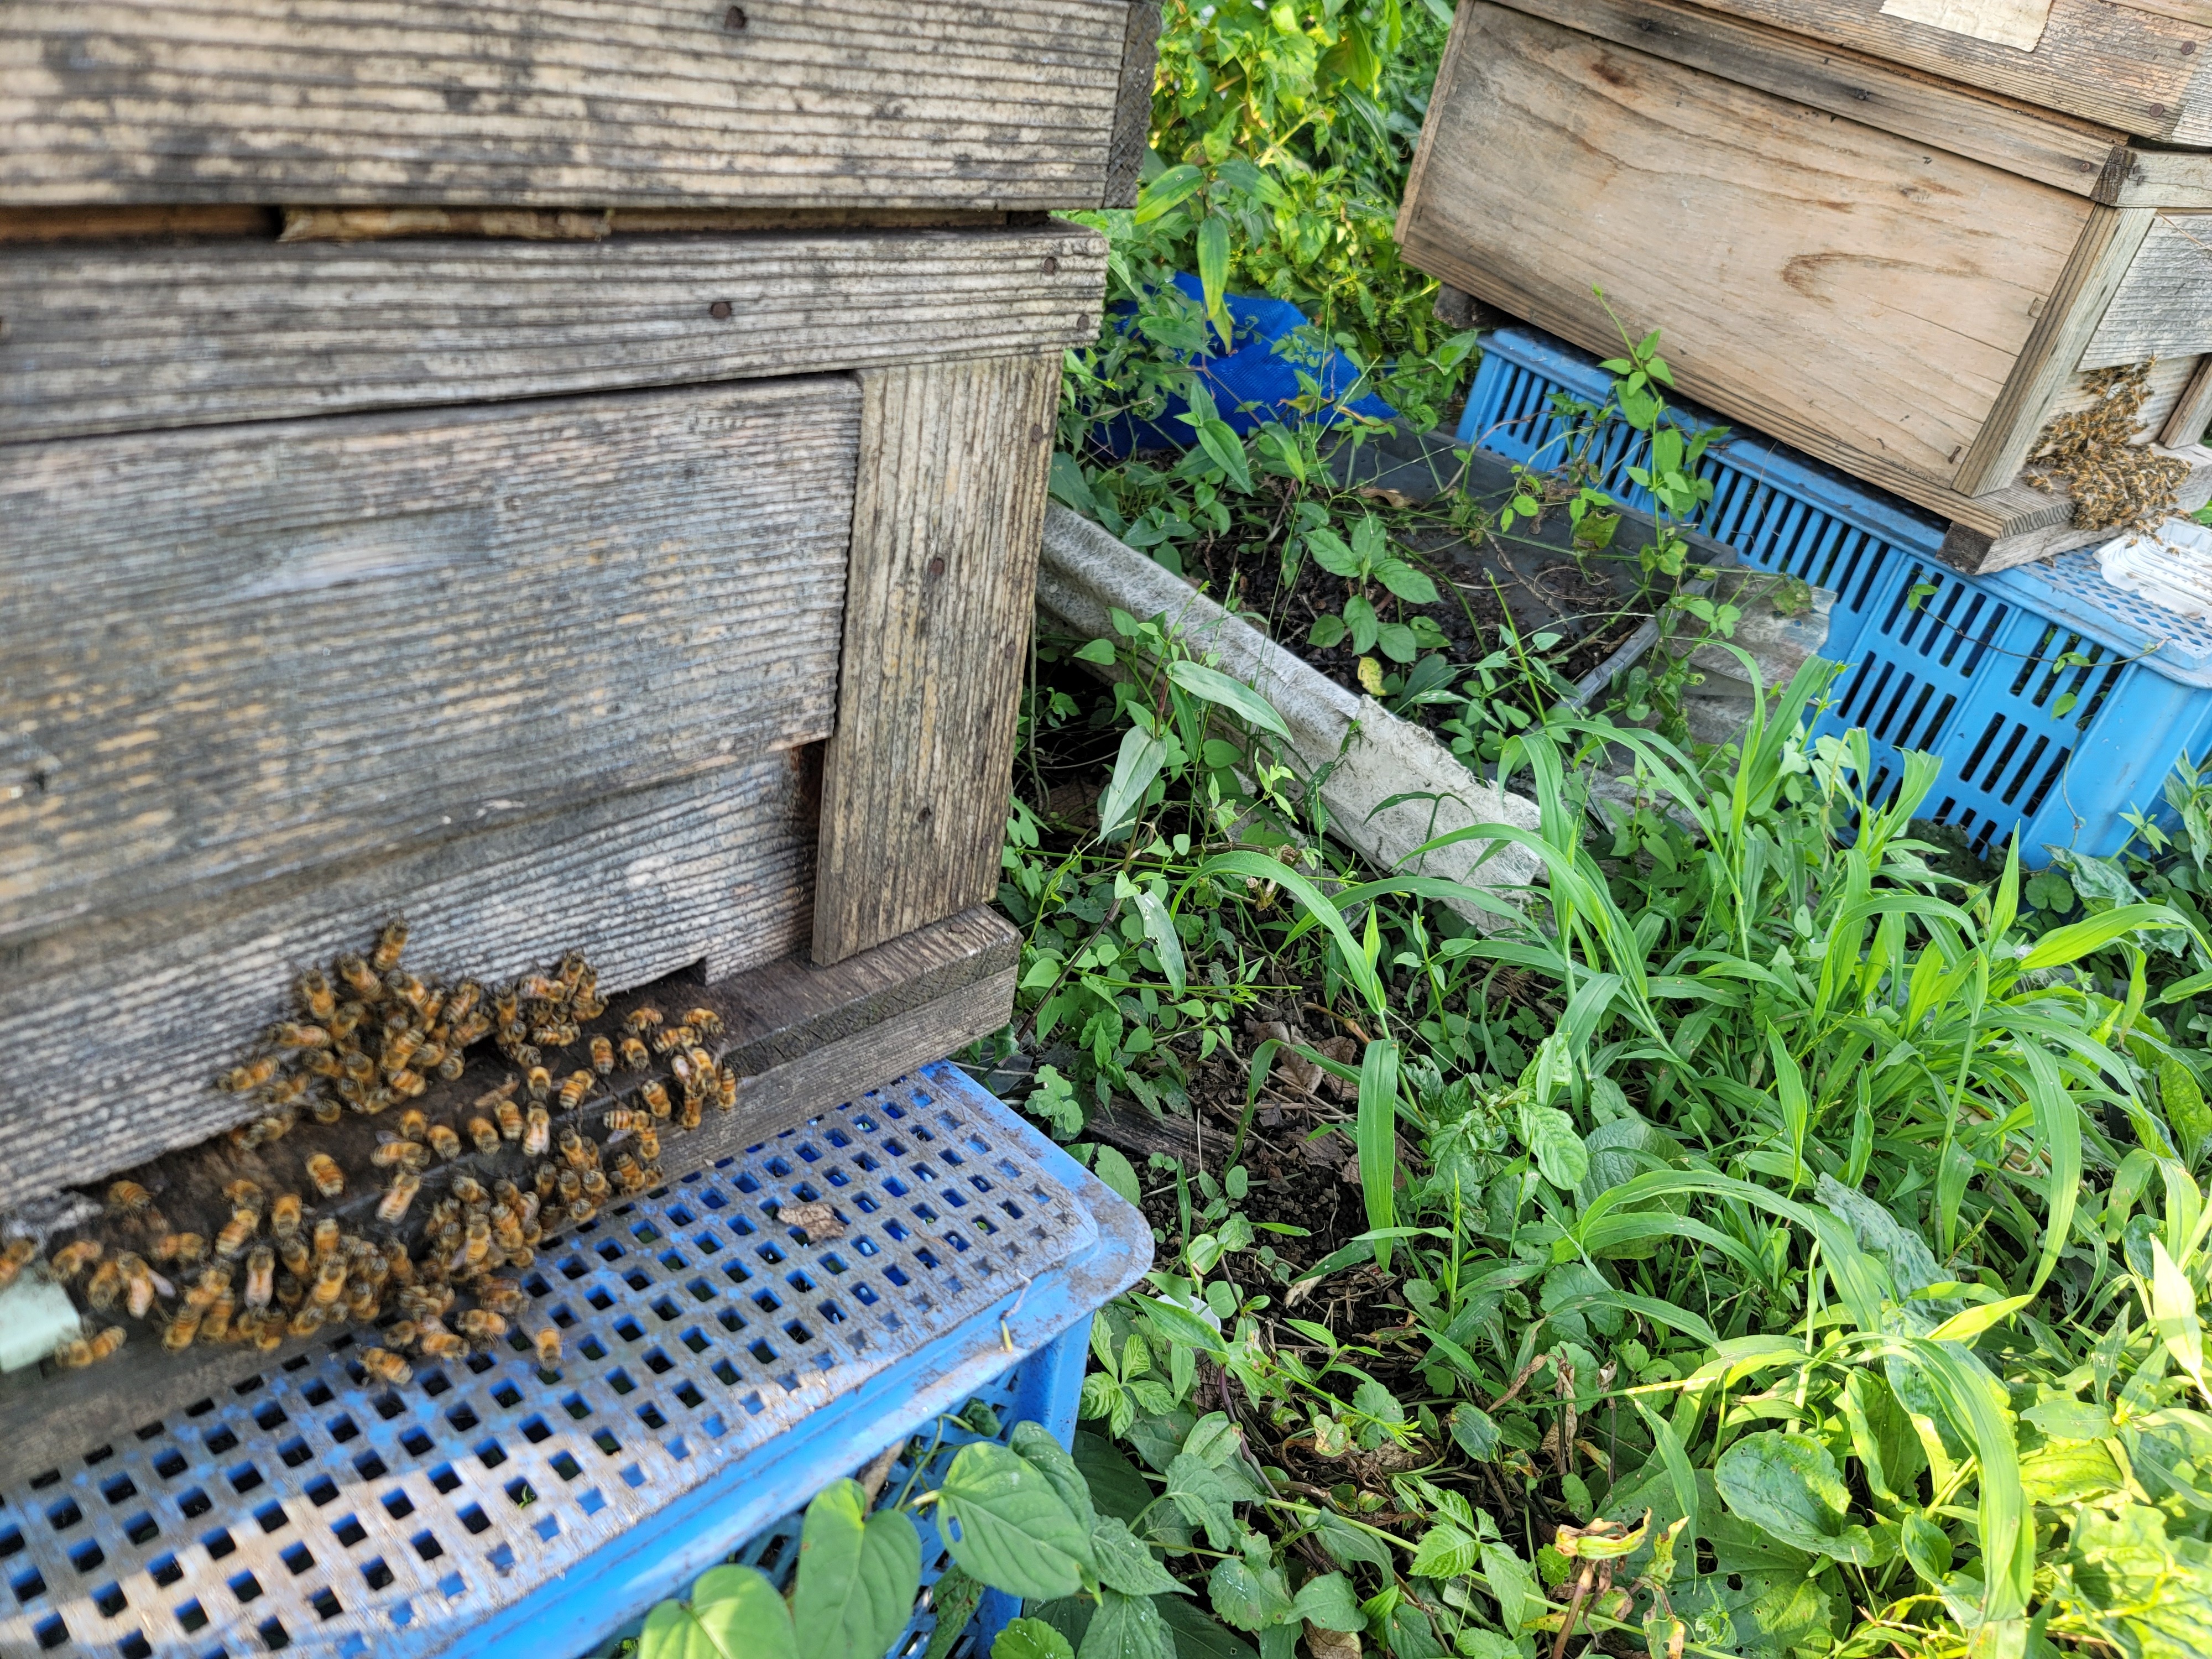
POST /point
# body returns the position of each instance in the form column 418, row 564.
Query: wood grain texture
column 2187, row 420
column 1978, row 550
column 1132, row 112
column 113, row 1036
column 948, row 516
column 235, row 657
column 804, row 1038
column 2176, row 178
column 1855, row 293
column 596, row 103
column 2045, row 368
column 2162, row 306
column 2062, row 154
column 106, row 339
column 2125, row 66
column 107, row 224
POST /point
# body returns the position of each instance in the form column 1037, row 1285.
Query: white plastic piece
column 1085, row 571
column 2173, row 570
column 36, row 1318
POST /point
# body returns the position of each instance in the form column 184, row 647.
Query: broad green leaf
column 2186, row 1114
column 1520, row 1599
column 1135, row 766
column 1765, row 1615
column 1445, row 1552
column 1788, row 1484
column 1117, row 1486
column 1327, row 1601
column 1331, row 552
column 1474, row 1432
column 1035, row 1445
column 735, row 1613
column 1198, row 1634
column 2070, row 1420
column 1069, row 487
column 1549, row 1135
column 857, row 1576
column 953, row 1599
column 1110, row 1166
column 1348, row 1545
column 1883, row 1436
column 1127, row 1627
column 1031, row 1639
column 2152, row 1593
column 2173, row 1311
column 1125, row 1564
column 1168, row 189
column 1927, row 1546
column 2077, row 939
column 1247, row 1597
column 2065, row 1472
column 1167, row 945
column 1227, row 450
column 1009, row 1527
column 1206, row 1499
column 1408, row 583
column 1213, row 274
column 1238, row 698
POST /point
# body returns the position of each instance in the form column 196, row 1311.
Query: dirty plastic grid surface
column 311, row 1508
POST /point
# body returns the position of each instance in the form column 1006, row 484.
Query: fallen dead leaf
column 819, row 1221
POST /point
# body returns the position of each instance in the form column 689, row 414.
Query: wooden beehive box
column 606, row 518
column 1905, row 278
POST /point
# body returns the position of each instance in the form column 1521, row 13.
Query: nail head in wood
column 936, row 567
column 734, row 19
column 1051, row 264
column 720, row 310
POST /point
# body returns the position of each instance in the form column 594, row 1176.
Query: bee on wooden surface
column 680, row 1067
column 538, row 1131
column 546, row 1338
column 319, row 1063
column 428, row 1058
column 546, row 1180
column 475, row 1243
column 506, row 1228
column 140, row 1284
column 414, row 1125
column 527, row 1056
column 451, row 1067
column 286, row 1214
column 443, row 1344
column 292, row 1251
column 391, row 1153
column 602, row 1055
column 647, row 1142
column 588, row 1008
column 179, row 1329
column 510, row 1121
column 237, row 1232
column 323, row 1171
column 669, row 1037
column 702, row 1064
column 397, row 1017
column 325, row 1110
column 481, row 1325
column 71, row 1259
column 366, row 983
column 289, row 1034
column 214, row 1323
column 186, row 1249
column 360, row 1302
column 571, row 971
column 389, row 945
column 399, row 1050
column 560, row 1034
column 358, row 1067
column 392, row 1208
column 470, row 1191
column 570, row 1185
column 129, row 1198
column 638, row 1021
column 490, row 1099
column 291, row 1087
column 317, row 1000
column 726, row 1088
column 573, row 1152
column 243, row 1079
column 466, row 1032
column 655, row 1097
column 326, row 1237
column 329, row 1281
column 503, row 1295
column 348, row 1019
column 80, row 1352
column 574, row 1090
column 484, row 1132
column 581, row 1210
column 433, row 1007
column 462, row 1000
column 595, row 1186
column 705, row 1021
column 104, row 1286
column 386, row 1367
column 630, row 1179
column 629, row 1119
column 15, row 1256
column 214, row 1281
column 260, row 1277
column 688, row 1118
column 540, row 1083
column 634, row 1055
column 536, row 987
column 445, row 1142
column 311, row 1318
column 408, row 1084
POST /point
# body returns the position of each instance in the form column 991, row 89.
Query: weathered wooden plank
column 804, row 1038
column 237, row 656
column 2143, row 70
column 2162, row 306
column 2045, row 365
column 2191, row 416
column 1132, row 112
column 104, row 338
column 947, row 518
column 978, row 103
column 113, row 1033
column 80, row 224
column 2176, row 179
column 1978, row 550
column 2063, row 154
column 1822, row 300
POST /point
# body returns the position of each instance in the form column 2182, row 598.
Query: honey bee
column 329, row 1180
column 485, row 1134
column 389, row 944
column 392, row 1206
column 673, row 1037
column 547, row 1181
column 510, row 1119
column 269, row 1333
column 326, row 1237
column 595, row 1186
column 186, row 1249
column 242, row 1079
column 705, row 1021
column 527, row 1056
column 78, row 1352
column 547, row 1339
column 413, row 1126
column 451, row 1067
column 247, row 1195
column 680, row 1067
column 587, row 1005
column 443, row 1344
column 429, row 1057
column 14, row 1258
column 260, row 1277
column 366, row 984
column 572, row 1149
column 286, row 1090
column 627, row 1119
column 318, row 1063
column 634, row 1056
column 71, row 1259
column 399, row 1050
column 408, row 1084
column 105, row 1286
column 538, row 1131
column 468, row 1030
column 503, row 1295
column 284, row 1215
column 462, row 1000
column 130, row 1198
column 582, row 1212
column 329, row 1281
column 292, row 1251
column 386, row 1367
column 358, row 1066
column 481, row 1324
column 231, row 1241
column 361, row 1305
column 540, row 1083
column 316, row 997
column 602, row 1055
column 398, row 1265
column 288, row 1034
column 214, row 1323
column 726, row 1088
column 648, row 1144
column 213, row 1282
column 470, row 1191
column 343, row 1024
column 638, row 1021
column 536, row 987
column 445, row 1142
column 574, row 1090
column 475, row 1242
column 562, row 1034
column 140, row 1284
column 629, row 1180
column 570, row 1185
column 656, row 1099
column 309, row 1320
column 688, row 1119
column 390, row 1152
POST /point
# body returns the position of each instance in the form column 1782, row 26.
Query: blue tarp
column 1252, row 372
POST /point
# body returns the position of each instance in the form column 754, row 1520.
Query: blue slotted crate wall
column 2056, row 702
column 718, row 1371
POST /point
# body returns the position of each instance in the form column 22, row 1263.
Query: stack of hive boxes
column 1901, row 235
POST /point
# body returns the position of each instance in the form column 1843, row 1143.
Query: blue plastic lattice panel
column 311, row 1509
column 2056, row 702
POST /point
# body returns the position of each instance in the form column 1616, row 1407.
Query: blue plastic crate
column 718, row 1371
column 1972, row 669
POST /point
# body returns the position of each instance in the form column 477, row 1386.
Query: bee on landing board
column 17, row 1255
column 389, row 945
column 329, row 1180
column 71, row 1259
column 317, row 1000
column 80, row 1352
column 386, row 1367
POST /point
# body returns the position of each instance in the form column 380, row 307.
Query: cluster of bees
column 2116, row 481
column 368, row 1038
